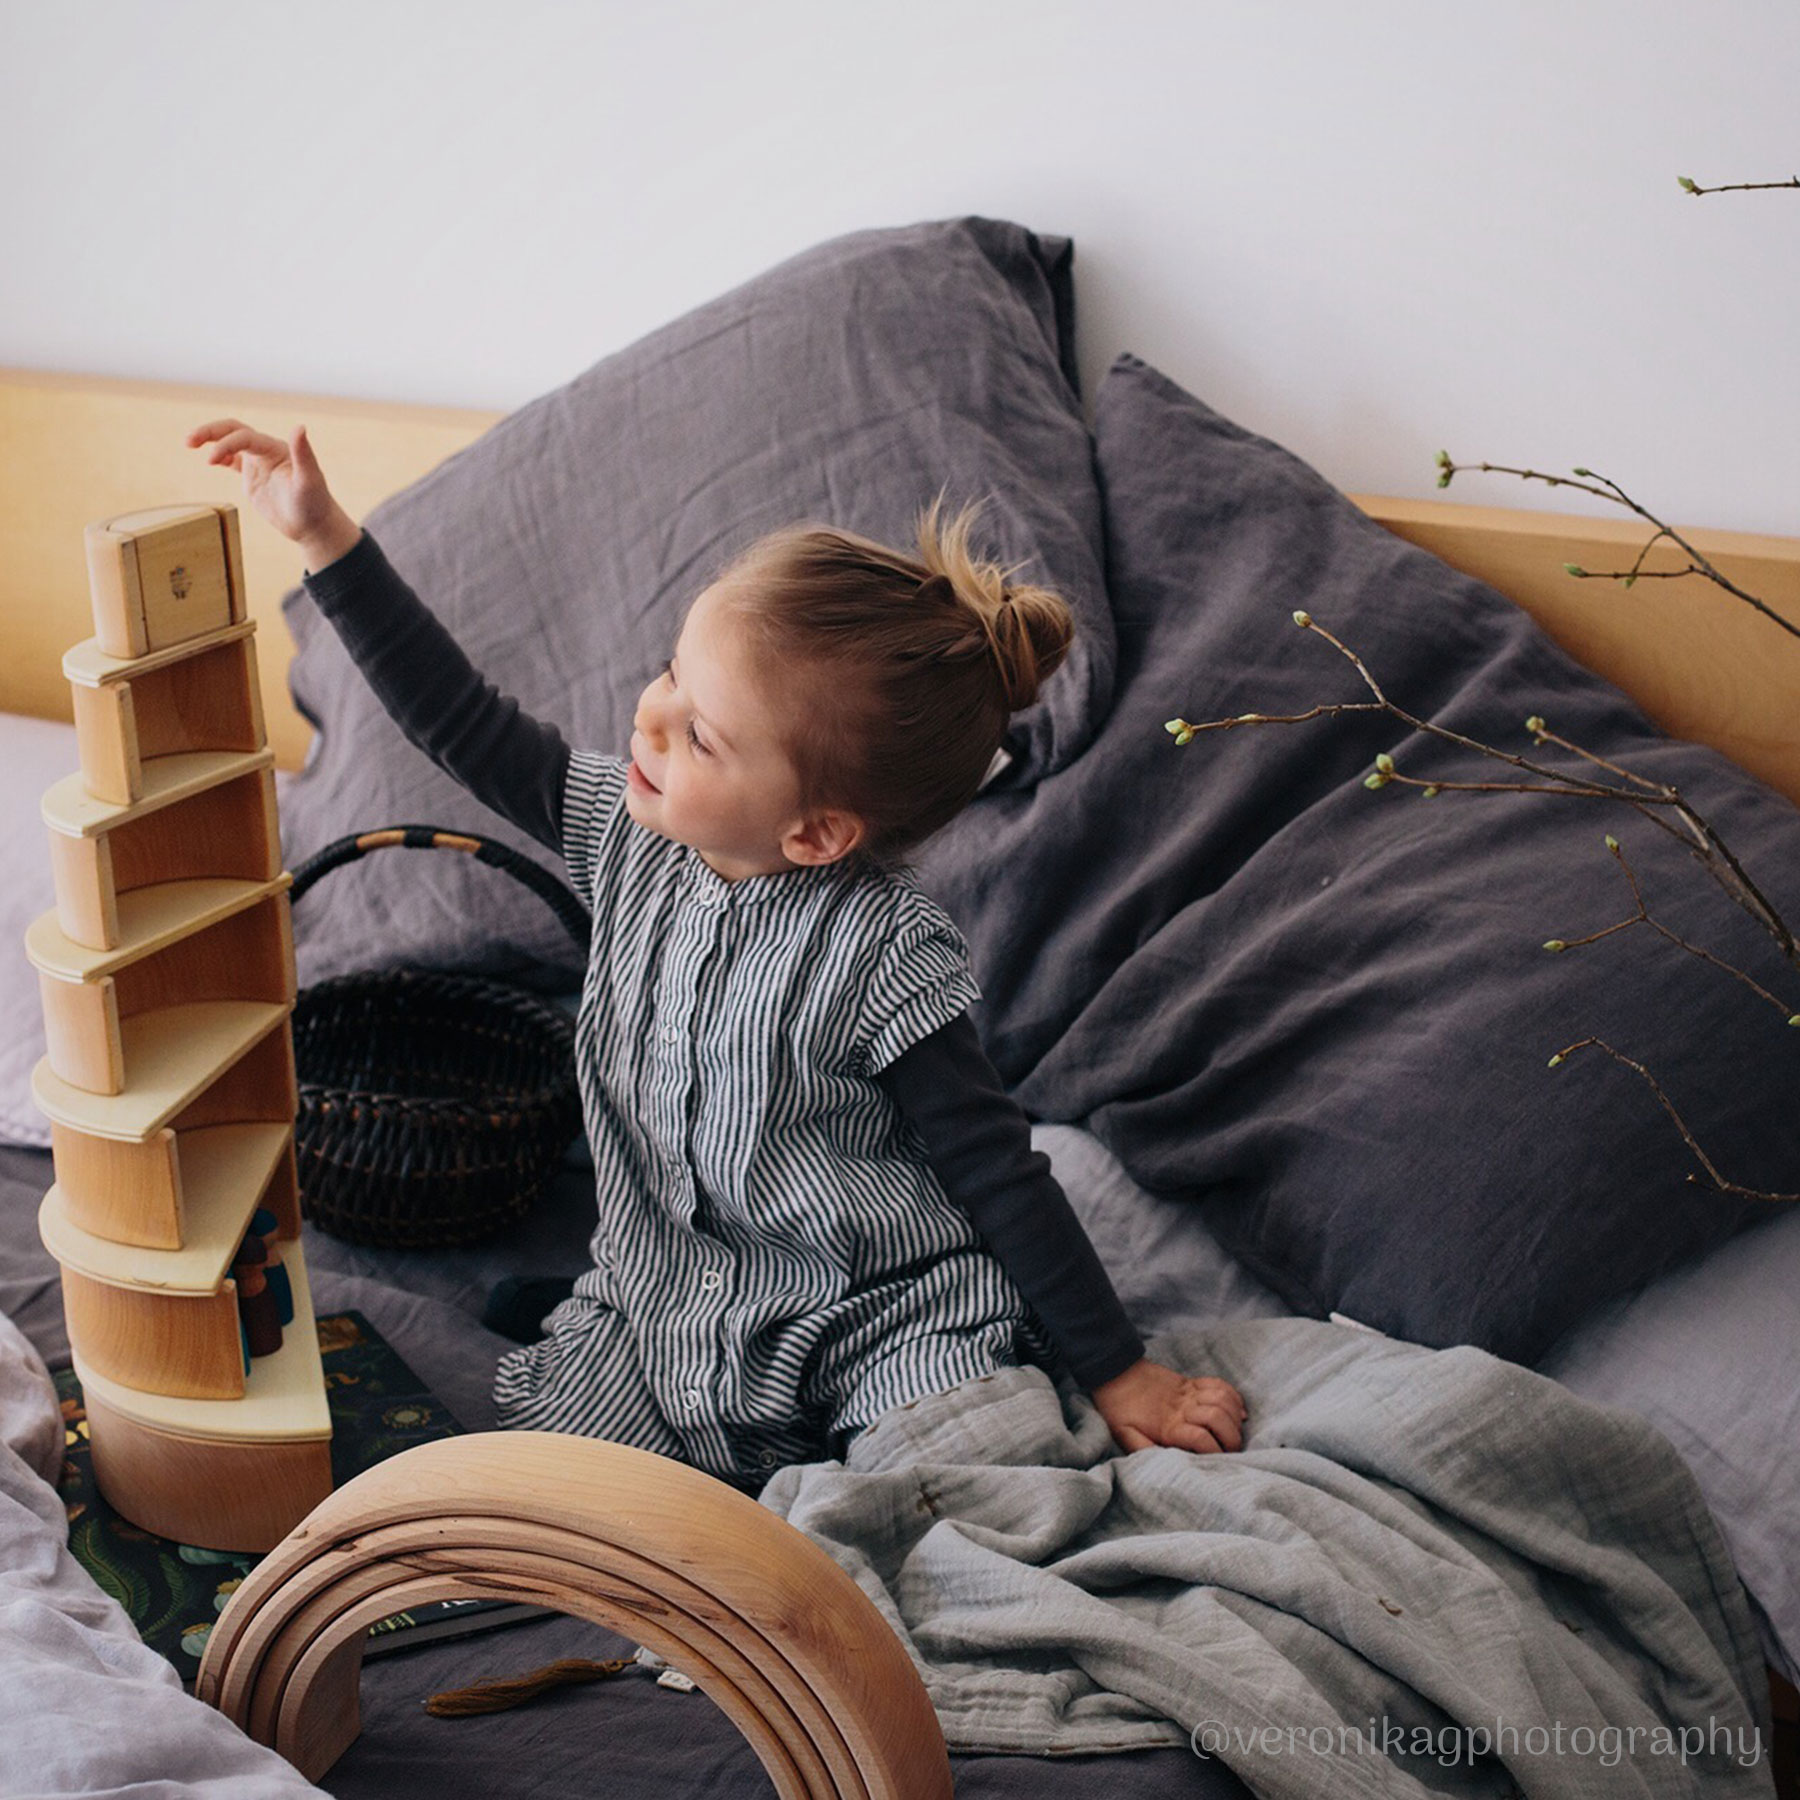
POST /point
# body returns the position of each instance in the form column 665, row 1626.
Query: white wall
column 1365, row 229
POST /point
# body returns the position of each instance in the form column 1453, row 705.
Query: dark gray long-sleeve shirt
column 976, row 1138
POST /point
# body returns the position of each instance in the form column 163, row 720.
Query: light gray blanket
column 1428, row 1571
column 85, row 1708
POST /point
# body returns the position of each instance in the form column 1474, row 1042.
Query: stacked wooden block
column 167, row 975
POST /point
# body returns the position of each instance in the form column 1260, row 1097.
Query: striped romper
column 775, row 1263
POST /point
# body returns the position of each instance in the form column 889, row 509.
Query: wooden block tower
column 167, row 976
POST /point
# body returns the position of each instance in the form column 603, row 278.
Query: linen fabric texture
column 1514, row 1558
column 775, row 1264
column 34, row 753
column 846, row 386
column 1325, row 1014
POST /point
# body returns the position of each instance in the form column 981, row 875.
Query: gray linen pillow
column 844, row 386
column 1325, row 1014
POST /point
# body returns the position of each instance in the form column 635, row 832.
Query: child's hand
column 1150, row 1405
column 285, row 484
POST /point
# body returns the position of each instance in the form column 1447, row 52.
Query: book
column 173, row 1592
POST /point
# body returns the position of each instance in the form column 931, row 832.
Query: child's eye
column 693, row 737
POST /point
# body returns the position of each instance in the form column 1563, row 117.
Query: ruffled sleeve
column 920, row 982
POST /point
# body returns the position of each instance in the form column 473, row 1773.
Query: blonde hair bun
column 897, row 674
column 1026, row 629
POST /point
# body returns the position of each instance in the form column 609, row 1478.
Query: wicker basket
column 433, row 1107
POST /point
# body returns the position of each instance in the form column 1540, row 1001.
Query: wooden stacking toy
column 167, row 976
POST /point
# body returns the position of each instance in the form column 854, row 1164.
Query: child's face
column 709, row 763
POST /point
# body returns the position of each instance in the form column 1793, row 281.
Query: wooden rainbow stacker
column 167, row 976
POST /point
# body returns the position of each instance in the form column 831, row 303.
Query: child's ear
column 826, row 836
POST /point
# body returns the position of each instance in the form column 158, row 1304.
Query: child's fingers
column 230, row 439
column 300, row 448
column 213, row 428
column 254, row 444
column 1224, row 1423
column 1191, row 1436
column 1214, row 1392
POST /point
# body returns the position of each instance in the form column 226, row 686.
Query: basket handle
column 561, row 901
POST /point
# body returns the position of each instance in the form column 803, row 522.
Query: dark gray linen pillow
column 844, row 386
column 1325, row 1013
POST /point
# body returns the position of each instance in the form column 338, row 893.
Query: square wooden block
column 161, row 576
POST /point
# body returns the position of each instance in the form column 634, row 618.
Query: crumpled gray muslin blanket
column 1412, row 1542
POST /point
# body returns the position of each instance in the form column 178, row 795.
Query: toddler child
column 816, row 1201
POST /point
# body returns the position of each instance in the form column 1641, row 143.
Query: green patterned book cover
column 173, row 1592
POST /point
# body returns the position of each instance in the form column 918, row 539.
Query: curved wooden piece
column 762, row 1619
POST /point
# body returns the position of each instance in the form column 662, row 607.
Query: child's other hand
column 1150, row 1405
column 285, row 484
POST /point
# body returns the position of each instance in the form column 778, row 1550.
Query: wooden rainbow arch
column 764, row 1621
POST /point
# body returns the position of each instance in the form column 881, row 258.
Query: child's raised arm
column 482, row 738
column 285, row 484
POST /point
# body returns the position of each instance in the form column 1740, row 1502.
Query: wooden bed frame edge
column 76, row 448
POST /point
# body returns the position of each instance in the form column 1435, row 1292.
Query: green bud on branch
column 1555, row 944
column 1180, row 730
column 1688, row 184
column 1377, row 780
column 1303, row 620
column 1554, row 1062
column 1428, row 793
column 1576, row 570
column 1534, row 725
column 1385, row 763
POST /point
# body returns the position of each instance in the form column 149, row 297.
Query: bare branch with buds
column 1660, row 804
column 1585, row 481
column 1717, row 1180
column 1689, row 185
column 1656, row 802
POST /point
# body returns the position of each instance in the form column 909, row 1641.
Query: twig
column 1690, row 186
column 1544, row 735
column 1642, row 917
column 1718, row 1181
column 1643, row 796
column 1602, row 487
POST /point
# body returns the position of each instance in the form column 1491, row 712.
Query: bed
column 1286, row 1038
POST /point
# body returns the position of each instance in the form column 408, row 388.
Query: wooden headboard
column 75, row 448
